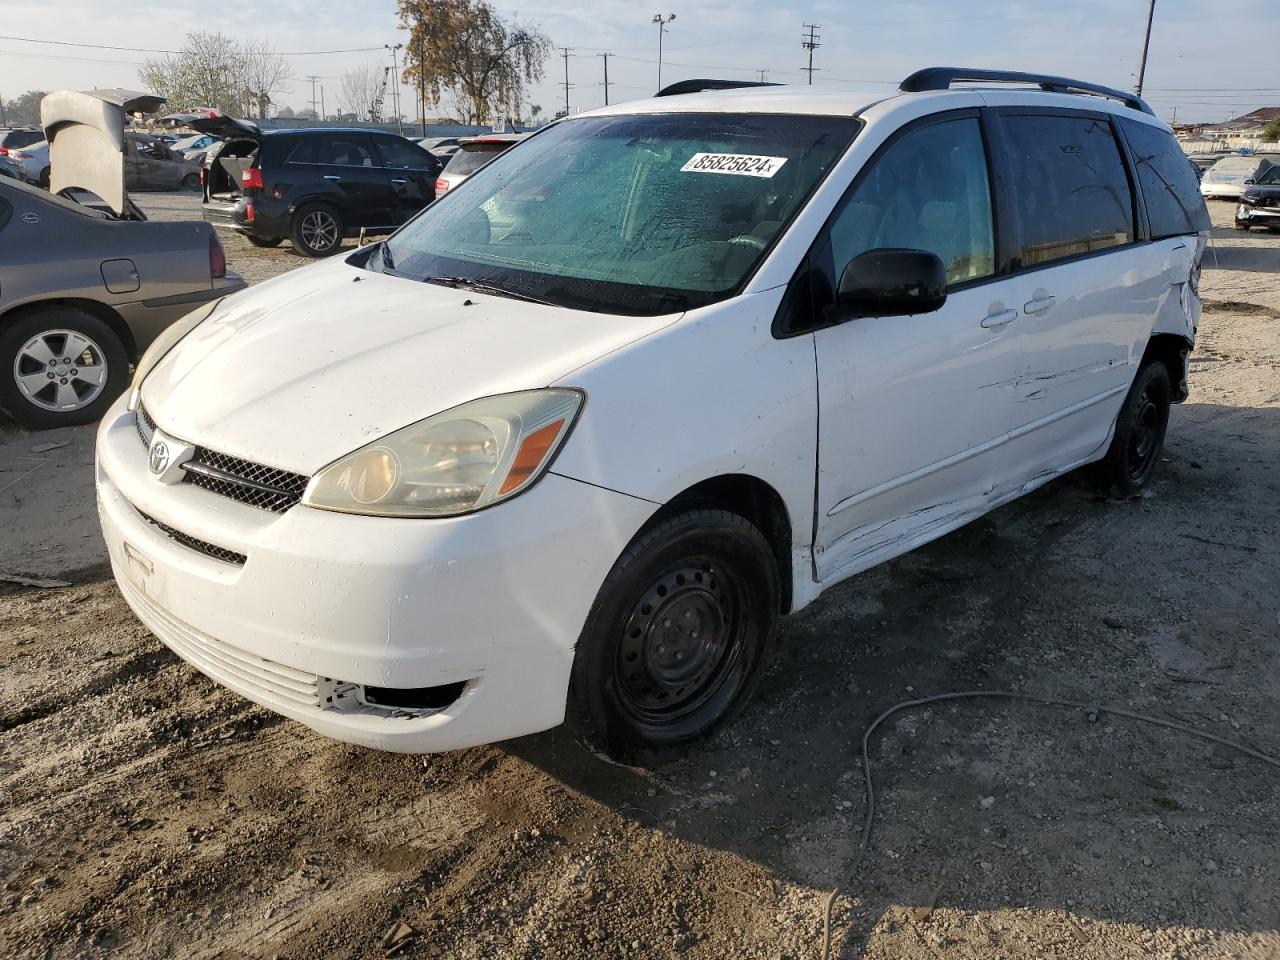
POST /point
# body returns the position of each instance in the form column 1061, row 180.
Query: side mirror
column 1250, row 182
column 892, row 282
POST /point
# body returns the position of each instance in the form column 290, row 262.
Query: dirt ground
column 145, row 812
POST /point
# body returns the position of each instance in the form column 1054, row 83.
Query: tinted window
column 403, row 155
column 1072, row 192
column 1168, row 182
column 350, row 151
column 20, row 138
column 471, row 159
column 928, row 191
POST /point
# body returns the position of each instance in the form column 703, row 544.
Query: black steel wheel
column 678, row 634
column 1140, row 430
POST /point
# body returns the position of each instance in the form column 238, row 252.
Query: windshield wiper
column 485, row 286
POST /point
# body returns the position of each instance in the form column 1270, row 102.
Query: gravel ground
column 145, row 812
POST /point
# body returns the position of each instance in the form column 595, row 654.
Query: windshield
column 645, row 214
column 1271, row 177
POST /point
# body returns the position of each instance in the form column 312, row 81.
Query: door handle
column 399, row 180
column 999, row 319
column 1038, row 305
column 332, row 176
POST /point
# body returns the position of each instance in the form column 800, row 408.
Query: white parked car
column 729, row 349
column 1228, row 178
column 33, row 161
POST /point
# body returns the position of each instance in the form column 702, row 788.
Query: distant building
column 1248, row 127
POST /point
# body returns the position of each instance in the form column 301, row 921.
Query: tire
column 264, row 241
column 73, row 391
column 1139, row 436
column 191, row 182
column 313, row 223
column 701, row 585
column 1241, row 225
column 43, row 181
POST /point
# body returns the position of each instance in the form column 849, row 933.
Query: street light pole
column 662, row 28
column 395, row 91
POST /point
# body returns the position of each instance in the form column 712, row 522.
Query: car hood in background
column 318, row 362
column 86, row 140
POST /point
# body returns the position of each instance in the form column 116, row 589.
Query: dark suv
column 313, row 186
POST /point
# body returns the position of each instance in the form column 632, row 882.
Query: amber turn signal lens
column 531, row 453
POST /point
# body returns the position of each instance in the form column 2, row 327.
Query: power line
column 811, row 44
column 101, row 46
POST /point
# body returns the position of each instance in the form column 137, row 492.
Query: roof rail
column 697, row 86
column 941, row 78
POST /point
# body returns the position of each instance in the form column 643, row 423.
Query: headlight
column 162, row 344
column 455, row 462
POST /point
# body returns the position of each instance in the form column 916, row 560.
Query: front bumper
column 1218, row 191
column 325, row 601
column 1246, row 213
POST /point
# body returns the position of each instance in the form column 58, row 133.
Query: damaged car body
column 693, row 360
column 86, row 281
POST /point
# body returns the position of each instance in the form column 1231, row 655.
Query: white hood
column 308, row 367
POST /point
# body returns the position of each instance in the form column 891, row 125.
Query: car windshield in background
column 643, row 214
column 470, row 159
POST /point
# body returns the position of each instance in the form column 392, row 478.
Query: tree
column 360, row 87
column 216, row 71
column 24, row 111
column 1271, row 132
column 465, row 48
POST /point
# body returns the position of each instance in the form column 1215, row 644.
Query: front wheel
column 316, row 230
column 60, row 366
column 1140, row 429
column 679, row 633
column 1242, row 225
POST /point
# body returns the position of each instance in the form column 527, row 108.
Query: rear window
column 1073, row 191
column 13, row 139
column 470, row 159
column 1168, row 182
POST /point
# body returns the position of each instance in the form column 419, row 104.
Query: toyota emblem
column 158, row 458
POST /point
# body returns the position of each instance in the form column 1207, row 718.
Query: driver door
column 913, row 410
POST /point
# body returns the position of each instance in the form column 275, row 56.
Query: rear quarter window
column 1168, row 183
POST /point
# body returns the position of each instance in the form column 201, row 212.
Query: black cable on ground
column 852, row 870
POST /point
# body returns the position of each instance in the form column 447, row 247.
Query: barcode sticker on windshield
column 736, row 164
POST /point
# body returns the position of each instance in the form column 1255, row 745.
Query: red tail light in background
column 248, row 213
column 442, row 185
column 217, row 259
column 251, row 179
column 202, row 176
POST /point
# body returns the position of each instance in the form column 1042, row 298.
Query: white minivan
column 578, row 435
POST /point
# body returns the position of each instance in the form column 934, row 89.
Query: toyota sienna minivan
column 720, row 351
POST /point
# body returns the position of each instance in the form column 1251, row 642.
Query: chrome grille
column 146, row 426
column 196, row 544
column 253, row 483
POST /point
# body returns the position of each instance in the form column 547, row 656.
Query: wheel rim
column 1144, row 437
column 319, row 230
column 60, row 371
column 682, row 644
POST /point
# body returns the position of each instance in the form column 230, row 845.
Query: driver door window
column 928, row 191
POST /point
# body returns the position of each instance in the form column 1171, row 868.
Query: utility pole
column 662, row 28
column 395, row 91
column 1146, row 44
column 606, row 78
column 565, row 54
column 322, row 113
column 762, row 76
column 313, row 94
column 811, row 44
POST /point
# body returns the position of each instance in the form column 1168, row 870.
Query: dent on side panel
column 1179, row 313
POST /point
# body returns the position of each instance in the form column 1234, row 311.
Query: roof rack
column 697, row 86
column 941, row 78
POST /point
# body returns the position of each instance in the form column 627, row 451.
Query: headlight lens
column 162, row 344
column 456, row 462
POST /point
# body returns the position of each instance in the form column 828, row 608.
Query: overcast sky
column 1209, row 60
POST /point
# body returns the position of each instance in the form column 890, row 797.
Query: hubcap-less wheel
column 1145, row 437
column 681, row 644
column 319, row 230
column 60, row 370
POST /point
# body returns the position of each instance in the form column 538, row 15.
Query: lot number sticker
column 735, row 164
